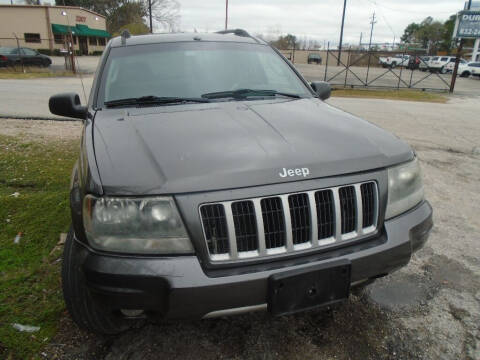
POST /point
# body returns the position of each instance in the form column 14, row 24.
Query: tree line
column 131, row 14
column 432, row 35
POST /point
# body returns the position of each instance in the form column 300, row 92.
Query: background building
column 47, row 28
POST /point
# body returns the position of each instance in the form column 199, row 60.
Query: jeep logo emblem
column 294, row 172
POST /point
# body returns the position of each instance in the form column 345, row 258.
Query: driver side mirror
column 322, row 88
column 67, row 104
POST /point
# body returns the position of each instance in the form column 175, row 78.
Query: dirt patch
column 41, row 130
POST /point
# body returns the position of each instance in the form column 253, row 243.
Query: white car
column 465, row 69
column 394, row 61
column 439, row 63
column 474, row 67
column 451, row 65
column 424, row 60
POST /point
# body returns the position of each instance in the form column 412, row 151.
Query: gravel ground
column 428, row 310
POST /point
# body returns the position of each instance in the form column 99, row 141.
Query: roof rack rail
column 238, row 32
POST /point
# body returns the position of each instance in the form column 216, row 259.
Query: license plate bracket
column 298, row 290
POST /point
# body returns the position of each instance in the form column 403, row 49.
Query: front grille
column 325, row 213
column 348, row 209
column 273, row 222
column 245, row 225
column 215, row 227
column 262, row 227
column 300, row 217
column 368, row 204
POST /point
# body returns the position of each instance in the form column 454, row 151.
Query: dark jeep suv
column 212, row 180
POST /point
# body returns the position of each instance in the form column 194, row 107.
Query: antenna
column 125, row 35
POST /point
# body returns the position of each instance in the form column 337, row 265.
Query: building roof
column 51, row 6
column 184, row 37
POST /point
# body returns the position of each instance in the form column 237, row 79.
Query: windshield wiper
column 244, row 93
column 153, row 100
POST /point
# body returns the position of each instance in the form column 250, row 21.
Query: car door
column 31, row 57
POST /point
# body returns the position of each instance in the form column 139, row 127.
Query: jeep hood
column 226, row 145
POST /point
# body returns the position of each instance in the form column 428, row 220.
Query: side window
column 29, row 52
column 32, row 38
column 444, row 59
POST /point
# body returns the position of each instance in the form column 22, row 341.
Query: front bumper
column 178, row 287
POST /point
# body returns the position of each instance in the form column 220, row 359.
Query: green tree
column 286, row 42
column 409, row 33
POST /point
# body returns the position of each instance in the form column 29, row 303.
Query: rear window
column 435, row 59
column 444, row 59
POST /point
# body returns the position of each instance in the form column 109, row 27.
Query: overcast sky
column 319, row 19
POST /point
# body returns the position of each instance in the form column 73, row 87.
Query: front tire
column 86, row 313
column 465, row 74
column 443, row 70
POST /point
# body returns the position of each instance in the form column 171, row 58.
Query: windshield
column 192, row 69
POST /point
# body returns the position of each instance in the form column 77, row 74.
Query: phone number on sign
column 469, row 31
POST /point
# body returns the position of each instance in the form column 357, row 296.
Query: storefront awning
column 79, row 30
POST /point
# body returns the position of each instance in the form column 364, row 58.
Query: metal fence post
column 368, row 66
column 348, row 66
column 401, row 67
column 19, row 52
column 326, row 62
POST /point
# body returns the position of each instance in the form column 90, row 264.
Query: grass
column 31, row 73
column 30, row 288
column 405, row 95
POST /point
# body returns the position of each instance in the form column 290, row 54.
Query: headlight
column 135, row 225
column 405, row 188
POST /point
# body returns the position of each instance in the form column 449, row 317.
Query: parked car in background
column 10, row 56
column 451, row 65
column 424, row 60
column 474, row 68
column 394, row 61
column 439, row 63
column 314, row 59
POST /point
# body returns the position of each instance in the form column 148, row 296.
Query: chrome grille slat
column 313, row 219
column 231, row 230
column 359, row 202
column 287, row 223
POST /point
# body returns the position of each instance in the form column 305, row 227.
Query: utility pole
column 361, row 37
column 226, row 14
column 150, row 14
column 341, row 33
column 457, row 60
column 394, row 38
column 373, row 22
